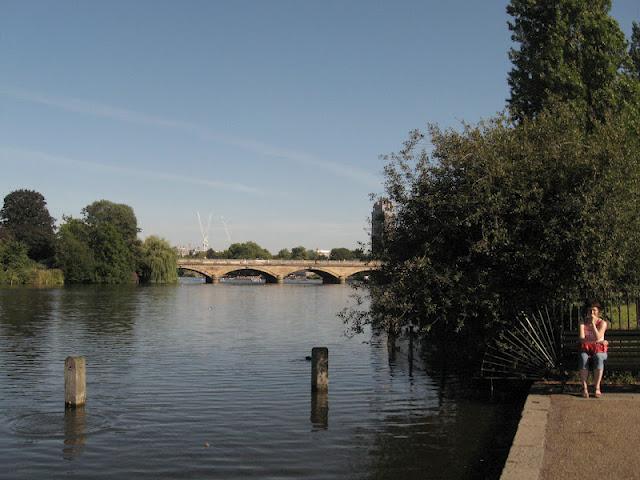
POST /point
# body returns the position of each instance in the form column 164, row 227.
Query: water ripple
column 70, row 423
column 176, row 389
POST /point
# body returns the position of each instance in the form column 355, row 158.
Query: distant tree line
column 100, row 247
column 251, row 250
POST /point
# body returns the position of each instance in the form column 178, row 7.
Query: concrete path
column 583, row 439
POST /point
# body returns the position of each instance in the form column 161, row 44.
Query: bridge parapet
column 331, row 271
column 236, row 261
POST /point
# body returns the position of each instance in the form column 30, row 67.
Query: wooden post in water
column 319, row 369
column 320, row 410
column 410, row 350
column 75, row 382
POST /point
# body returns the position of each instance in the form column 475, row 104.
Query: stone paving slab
column 564, row 436
column 592, row 438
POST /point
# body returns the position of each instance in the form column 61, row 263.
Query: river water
column 211, row 382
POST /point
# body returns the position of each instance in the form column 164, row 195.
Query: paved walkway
column 564, row 436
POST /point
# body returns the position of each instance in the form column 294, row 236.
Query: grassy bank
column 34, row 276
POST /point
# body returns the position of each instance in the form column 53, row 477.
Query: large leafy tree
column 113, row 257
column 299, row 253
column 504, row 217
column 118, row 215
column 25, row 218
column 101, row 247
column 284, row 254
column 538, row 207
column 248, row 250
column 121, row 217
column 74, row 255
column 569, row 51
column 158, row 261
column 342, row 254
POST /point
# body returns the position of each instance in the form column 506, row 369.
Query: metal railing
column 621, row 314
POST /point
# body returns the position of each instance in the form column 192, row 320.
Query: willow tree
column 158, row 261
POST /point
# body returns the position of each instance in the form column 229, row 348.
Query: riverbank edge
column 527, row 449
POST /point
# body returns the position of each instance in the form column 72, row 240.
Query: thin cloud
column 138, row 118
column 8, row 154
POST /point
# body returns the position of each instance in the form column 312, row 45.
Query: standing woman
column 592, row 346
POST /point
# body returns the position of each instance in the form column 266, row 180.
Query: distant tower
column 381, row 223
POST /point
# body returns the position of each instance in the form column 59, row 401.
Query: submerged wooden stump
column 320, row 409
column 319, row 369
column 75, row 383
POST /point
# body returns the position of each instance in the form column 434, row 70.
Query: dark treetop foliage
column 342, row 254
column 502, row 217
column 113, row 239
column 570, row 51
column 74, row 255
column 119, row 215
column 25, row 218
column 299, row 253
column 103, row 247
column 634, row 50
column 248, row 250
column 114, row 260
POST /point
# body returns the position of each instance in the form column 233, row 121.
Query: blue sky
column 270, row 114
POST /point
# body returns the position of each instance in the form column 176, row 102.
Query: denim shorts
column 598, row 360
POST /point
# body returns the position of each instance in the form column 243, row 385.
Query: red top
column 590, row 345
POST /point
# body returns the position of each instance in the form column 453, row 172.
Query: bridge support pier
column 279, row 279
column 212, row 279
column 342, row 280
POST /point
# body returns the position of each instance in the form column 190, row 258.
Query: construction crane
column 205, row 233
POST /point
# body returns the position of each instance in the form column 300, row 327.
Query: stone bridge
column 331, row 271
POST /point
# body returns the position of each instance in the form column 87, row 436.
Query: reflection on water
column 320, row 410
column 75, row 426
column 23, row 321
column 170, row 369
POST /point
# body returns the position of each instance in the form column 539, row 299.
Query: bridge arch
column 202, row 272
column 269, row 276
column 367, row 271
column 326, row 275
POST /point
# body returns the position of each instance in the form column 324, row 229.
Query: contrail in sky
column 226, row 228
column 8, row 154
column 130, row 116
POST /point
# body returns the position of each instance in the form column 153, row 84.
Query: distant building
column 382, row 218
